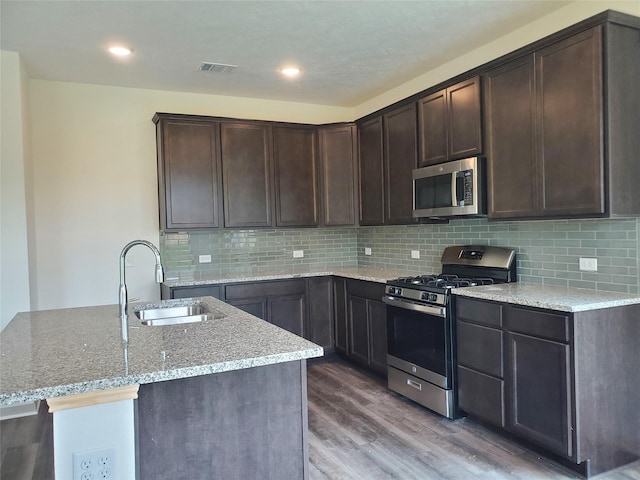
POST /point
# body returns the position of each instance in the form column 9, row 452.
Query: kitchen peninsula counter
column 221, row 398
column 564, row 299
column 54, row 353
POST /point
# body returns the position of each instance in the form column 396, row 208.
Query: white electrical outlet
column 367, row 250
column 415, row 254
column 589, row 264
column 204, row 258
column 94, row 464
column 298, row 253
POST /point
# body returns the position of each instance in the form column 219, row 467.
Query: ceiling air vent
column 216, row 67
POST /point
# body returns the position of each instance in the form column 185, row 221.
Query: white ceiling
column 349, row 51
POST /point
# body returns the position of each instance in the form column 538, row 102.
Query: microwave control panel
column 464, row 187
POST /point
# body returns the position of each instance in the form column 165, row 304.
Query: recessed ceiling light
column 120, row 51
column 290, row 71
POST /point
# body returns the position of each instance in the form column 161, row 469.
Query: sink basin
column 166, row 312
column 174, row 315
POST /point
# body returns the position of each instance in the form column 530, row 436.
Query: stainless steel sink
column 173, row 315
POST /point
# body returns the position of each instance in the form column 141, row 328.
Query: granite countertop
column 54, row 353
column 370, row 274
column 550, row 297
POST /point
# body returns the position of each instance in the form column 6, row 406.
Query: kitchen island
column 216, row 399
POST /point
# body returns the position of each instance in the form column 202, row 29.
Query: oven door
column 419, row 340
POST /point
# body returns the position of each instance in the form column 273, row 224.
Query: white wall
column 14, row 155
column 95, row 181
column 562, row 18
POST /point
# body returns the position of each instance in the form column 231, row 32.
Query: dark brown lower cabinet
column 563, row 382
column 301, row 306
column 281, row 302
column 366, row 320
column 319, row 321
column 540, row 391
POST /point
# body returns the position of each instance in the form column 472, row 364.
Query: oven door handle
column 396, row 302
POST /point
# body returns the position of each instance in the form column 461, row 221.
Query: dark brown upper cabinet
column 296, row 185
column 400, row 159
column 371, row 172
column 188, row 173
column 338, row 154
column 450, row 123
column 387, row 158
column 247, row 174
column 562, row 128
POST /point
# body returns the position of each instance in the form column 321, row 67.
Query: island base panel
column 245, row 424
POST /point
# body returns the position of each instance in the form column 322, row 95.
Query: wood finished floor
column 357, row 430
column 361, row 430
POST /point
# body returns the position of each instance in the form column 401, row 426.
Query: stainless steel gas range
column 421, row 340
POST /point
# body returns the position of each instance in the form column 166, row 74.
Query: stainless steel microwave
column 450, row 189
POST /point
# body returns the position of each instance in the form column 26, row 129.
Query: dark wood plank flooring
column 358, row 430
column 361, row 430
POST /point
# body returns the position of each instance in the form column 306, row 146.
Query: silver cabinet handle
column 416, row 385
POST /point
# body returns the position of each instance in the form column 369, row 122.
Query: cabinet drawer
column 477, row 311
column 480, row 348
column 265, row 289
column 363, row 289
column 188, row 292
column 481, row 395
column 551, row 325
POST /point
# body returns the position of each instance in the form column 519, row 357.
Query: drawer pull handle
column 413, row 384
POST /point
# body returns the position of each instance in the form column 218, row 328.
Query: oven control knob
column 433, row 297
column 424, row 296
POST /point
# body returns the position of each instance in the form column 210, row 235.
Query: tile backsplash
column 548, row 251
column 256, row 251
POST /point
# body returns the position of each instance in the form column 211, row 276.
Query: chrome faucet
column 124, row 320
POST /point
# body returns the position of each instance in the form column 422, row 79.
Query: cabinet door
column 296, row 188
column 401, row 151
column 450, row 123
column 358, row 329
column 246, row 169
column 570, row 125
column 511, row 151
column 464, row 119
column 377, row 312
column 340, row 313
column 189, row 174
column 337, row 160
column 287, row 312
column 371, row 172
column 254, row 306
column 319, row 325
column 540, row 392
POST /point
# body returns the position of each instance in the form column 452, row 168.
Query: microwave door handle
column 454, row 189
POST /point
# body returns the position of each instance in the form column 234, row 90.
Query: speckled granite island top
column 550, row 297
column 369, row 274
column 55, row 353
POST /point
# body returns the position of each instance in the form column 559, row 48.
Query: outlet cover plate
column 415, row 254
column 298, row 253
column 367, row 250
column 204, row 258
column 95, row 464
column 589, row 264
